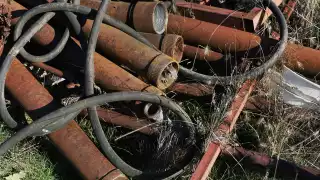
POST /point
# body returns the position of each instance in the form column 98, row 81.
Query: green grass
column 25, row 158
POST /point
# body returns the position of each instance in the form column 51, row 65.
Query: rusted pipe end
column 163, row 71
column 154, row 16
column 172, row 45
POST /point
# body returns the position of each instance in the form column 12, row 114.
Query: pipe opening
column 169, row 74
column 160, row 18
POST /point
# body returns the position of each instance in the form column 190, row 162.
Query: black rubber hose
column 23, row 40
column 49, row 56
column 226, row 80
column 63, row 114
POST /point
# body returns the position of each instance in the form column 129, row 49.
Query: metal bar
column 206, row 163
column 289, row 8
column 225, row 17
column 37, row 101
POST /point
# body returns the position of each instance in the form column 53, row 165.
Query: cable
column 225, row 80
column 66, row 114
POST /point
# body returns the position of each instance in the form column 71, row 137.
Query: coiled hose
column 254, row 73
column 65, row 114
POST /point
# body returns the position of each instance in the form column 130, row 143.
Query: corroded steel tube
column 201, row 54
column 107, row 74
column 154, row 15
column 129, row 122
column 299, row 58
column 192, row 89
column 170, row 44
column 38, row 102
column 277, row 168
column 223, row 38
column 157, row 67
column 302, row 59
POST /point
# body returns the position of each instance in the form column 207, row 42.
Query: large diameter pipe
column 151, row 17
column 223, row 38
column 157, row 67
column 107, row 74
column 170, row 44
column 197, row 53
column 278, row 168
column 38, row 102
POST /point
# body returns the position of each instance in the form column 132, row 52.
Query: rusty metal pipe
column 107, row 74
column 170, row 44
column 154, row 15
column 201, row 54
column 223, row 38
column 192, row 89
column 158, row 68
column 299, row 58
column 302, row 59
column 37, row 101
column 278, row 168
column 129, row 122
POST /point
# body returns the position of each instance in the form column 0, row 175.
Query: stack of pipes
column 122, row 63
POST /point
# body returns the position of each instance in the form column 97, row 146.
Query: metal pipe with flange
column 158, row 68
column 170, row 44
column 154, row 15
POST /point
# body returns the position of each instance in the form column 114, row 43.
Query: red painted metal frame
column 230, row 18
column 289, row 8
column 205, row 165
